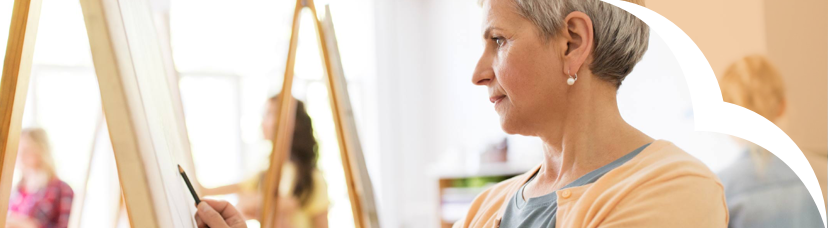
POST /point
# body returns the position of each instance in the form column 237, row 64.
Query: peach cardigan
column 662, row 186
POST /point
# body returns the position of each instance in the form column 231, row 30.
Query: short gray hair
column 620, row 38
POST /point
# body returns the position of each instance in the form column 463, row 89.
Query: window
column 212, row 115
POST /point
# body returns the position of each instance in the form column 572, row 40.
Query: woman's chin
column 517, row 126
column 509, row 126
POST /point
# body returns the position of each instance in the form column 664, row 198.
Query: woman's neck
column 592, row 135
column 34, row 180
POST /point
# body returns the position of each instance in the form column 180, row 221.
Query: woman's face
column 269, row 120
column 523, row 71
column 27, row 153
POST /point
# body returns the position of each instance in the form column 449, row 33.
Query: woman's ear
column 579, row 38
column 783, row 109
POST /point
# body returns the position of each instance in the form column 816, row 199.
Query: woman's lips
column 496, row 99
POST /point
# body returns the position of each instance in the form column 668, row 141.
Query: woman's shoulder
column 58, row 184
column 665, row 159
column 318, row 201
column 319, row 179
column 672, row 186
column 659, row 167
column 56, row 189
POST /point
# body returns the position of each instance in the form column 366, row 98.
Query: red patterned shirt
column 49, row 206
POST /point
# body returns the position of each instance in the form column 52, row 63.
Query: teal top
column 541, row 211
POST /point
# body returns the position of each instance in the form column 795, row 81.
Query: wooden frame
column 17, row 68
column 101, row 28
column 140, row 112
column 360, row 190
column 283, row 135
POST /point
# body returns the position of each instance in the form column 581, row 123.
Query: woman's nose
column 483, row 73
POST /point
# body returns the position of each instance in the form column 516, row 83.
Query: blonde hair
column 753, row 82
column 620, row 38
column 39, row 138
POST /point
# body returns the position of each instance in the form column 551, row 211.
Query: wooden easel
column 139, row 101
column 360, row 190
column 15, row 82
column 17, row 68
column 117, row 65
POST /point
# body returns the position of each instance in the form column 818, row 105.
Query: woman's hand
column 218, row 214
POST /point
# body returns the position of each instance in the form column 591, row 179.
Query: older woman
column 553, row 69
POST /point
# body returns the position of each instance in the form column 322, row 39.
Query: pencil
column 189, row 185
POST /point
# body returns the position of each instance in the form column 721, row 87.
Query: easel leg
column 17, row 68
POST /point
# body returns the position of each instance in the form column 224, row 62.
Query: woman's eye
column 499, row 41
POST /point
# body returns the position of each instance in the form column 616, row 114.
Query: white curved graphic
column 713, row 114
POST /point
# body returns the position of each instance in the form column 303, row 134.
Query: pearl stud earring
column 571, row 80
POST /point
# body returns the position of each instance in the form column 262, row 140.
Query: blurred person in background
column 761, row 190
column 39, row 199
column 303, row 190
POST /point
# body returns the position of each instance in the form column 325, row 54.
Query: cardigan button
column 566, row 194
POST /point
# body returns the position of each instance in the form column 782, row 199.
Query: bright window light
column 211, row 112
